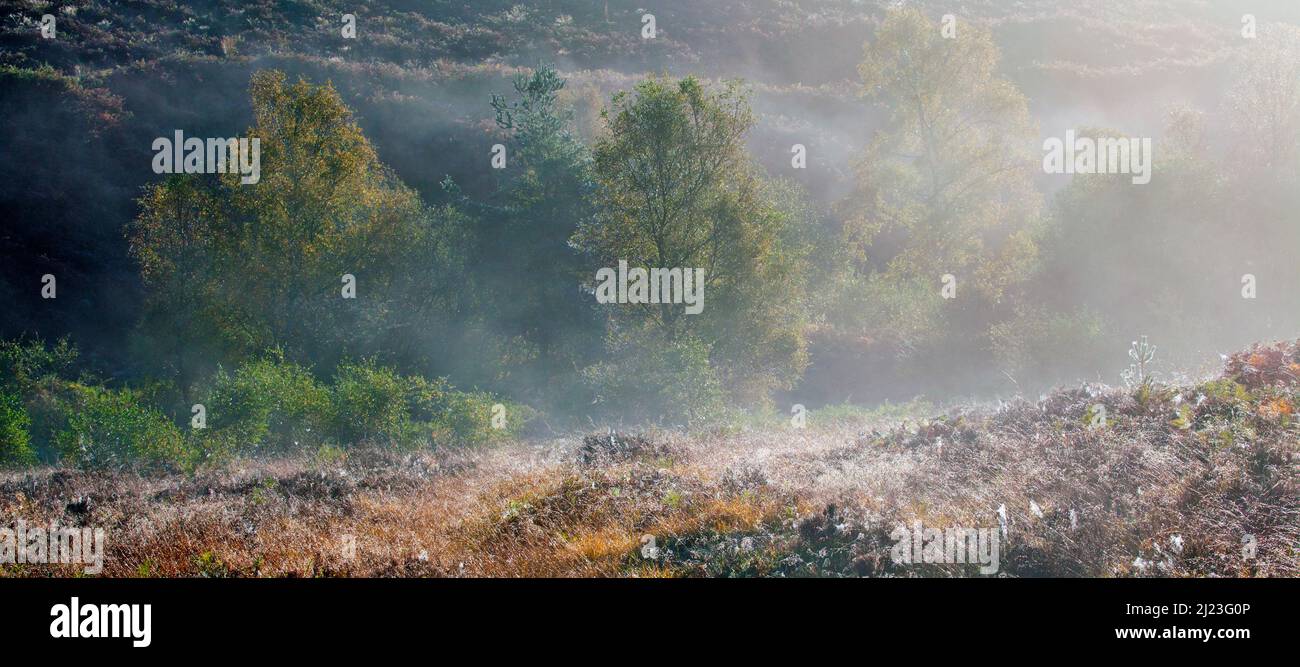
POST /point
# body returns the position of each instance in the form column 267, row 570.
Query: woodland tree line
column 491, row 291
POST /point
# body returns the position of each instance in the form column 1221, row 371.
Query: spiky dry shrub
column 1265, row 365
column 1199, row 481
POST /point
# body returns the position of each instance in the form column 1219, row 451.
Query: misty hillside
column 566, row 288
column 419, row 75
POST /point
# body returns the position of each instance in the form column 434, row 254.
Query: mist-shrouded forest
column 677, row 288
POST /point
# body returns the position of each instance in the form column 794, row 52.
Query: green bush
column 15, row 446
column 460, row 417
column 655, row 379
column 36, row 378
column 466, row 418
column 48, row 405
column 377, row 406
column 107, row 428
column 23, row 363
column 265, row 406
column 268, row 405
column 370, row 406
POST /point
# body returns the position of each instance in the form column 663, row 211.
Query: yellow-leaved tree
column 232, row 269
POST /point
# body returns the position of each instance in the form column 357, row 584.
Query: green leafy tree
column 522, row 257
column 676, row 188
column 945, row 187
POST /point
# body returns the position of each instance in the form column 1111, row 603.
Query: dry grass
column 1171, row 487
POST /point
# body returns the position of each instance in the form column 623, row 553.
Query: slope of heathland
column 1178, row 481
